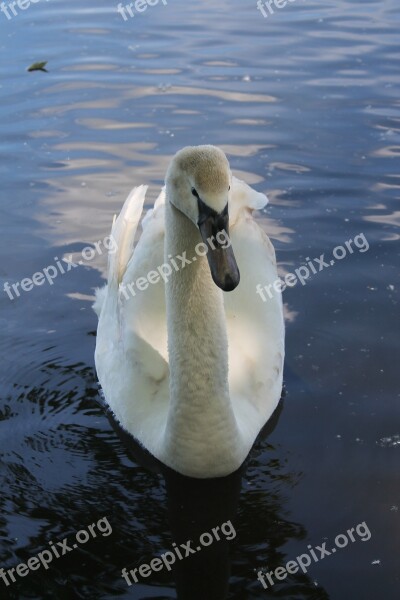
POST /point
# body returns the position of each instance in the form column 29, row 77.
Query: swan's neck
column 201, row 426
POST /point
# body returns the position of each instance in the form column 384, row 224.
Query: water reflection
column 196, row 506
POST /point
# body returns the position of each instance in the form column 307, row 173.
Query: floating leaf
column 38, row 66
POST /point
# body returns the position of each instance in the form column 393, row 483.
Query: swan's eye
column 194, row 192
column 229, row 188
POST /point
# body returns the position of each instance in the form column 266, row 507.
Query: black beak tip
column 230, row 283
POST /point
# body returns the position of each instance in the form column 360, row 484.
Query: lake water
column 305, row 102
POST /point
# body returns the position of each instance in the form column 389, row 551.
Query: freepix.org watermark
column 60, row 267
column 180, row 552
column 266, row 7
column 57, row 550
column 316, row 554
column 314, row 266
column 175, row 263
column 10, row 9
column 138, row 6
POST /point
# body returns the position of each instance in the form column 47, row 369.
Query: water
column 306, row 104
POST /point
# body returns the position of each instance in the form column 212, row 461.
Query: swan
column 189, row 358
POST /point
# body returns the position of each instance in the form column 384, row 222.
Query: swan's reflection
column 196, row 507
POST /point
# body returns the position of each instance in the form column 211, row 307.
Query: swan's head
column 199, row 178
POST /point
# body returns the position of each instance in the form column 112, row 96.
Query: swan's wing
column 131, row 349
column 123, row 232
column 142, row 291
column 255, row 328
column 244, row 199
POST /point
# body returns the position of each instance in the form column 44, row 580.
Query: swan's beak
column 214, row 230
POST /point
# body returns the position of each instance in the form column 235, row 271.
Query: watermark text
column 316, row 554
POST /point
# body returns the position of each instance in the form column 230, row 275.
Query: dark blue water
column 306, row 105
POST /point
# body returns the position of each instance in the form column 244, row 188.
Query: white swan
column 191, row 372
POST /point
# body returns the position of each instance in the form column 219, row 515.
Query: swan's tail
column 123, row 233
